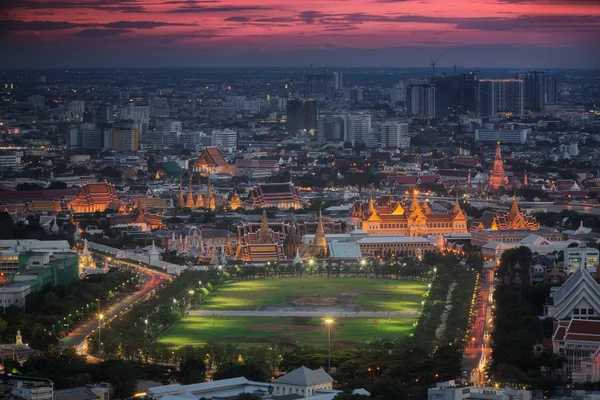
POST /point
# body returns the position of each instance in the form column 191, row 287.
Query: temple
column 280, row 195
column 514, row 219
column 95, row 197
column 211, row 161
column 207, row 201
column 498, row 177
column 412, row 219
column 261, row 245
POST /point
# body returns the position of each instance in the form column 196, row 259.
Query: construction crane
column 457, row 66
column 312, row 67
column 433, row 64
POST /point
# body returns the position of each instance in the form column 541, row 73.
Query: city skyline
column 209, row 33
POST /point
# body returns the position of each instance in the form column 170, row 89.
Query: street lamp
column 146, row 322
column 329, row 321
column 100, row 318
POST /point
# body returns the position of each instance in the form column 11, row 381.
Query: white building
column 359, row 128
column 420, row 99
column 303, row 382
column 225, row 140
column 31, row 388
column 450, row 391
column 569, row 150
column 578, row 297
column 10, row 160
column 394, row 134
column 581, row 256
column 579, row 342
column 517, row 136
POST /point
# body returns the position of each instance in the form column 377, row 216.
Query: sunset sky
column 394, row 33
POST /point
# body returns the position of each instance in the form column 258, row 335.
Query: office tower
column 37, row 100
column 301, row 115
column 421, row 100
column 332, row 128
column 354, row 95
column 137, row 113
column 225, row 140
column 101, row 114
column 338, row 83
column 534, row 90
column 319, row 84
column 455, row 95
column 398, row 94
column 359, row 128
column 394, row 134
column 500, row 95
column 167, row 132
column 550, row 89
column 159, row 107
column 76, row 109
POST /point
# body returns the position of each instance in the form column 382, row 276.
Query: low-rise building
column 581, row 257
column 578, row 297
column 451, row 391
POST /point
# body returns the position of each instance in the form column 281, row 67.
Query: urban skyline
column 498, row 33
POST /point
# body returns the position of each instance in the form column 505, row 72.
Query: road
column 316, row 314
column 478, row 351
column 152, row 280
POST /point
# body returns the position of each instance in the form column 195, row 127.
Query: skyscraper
column 455, row 95
column 500, row 95
column 420, row 98
column 550, row 89
column 338, row 83
column 535, row 97
column 301, row 115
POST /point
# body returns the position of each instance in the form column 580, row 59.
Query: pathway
column 442, row 327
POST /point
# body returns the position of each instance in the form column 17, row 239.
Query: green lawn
column 250, row 331
column 370, row 294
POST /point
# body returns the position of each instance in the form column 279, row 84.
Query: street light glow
column 329, row 321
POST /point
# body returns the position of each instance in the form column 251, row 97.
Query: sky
column 335, row 33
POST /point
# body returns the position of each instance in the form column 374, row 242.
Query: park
column 295, row 311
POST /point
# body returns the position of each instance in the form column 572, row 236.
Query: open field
column 368, row 294
column 192, row 330
column 362, row 294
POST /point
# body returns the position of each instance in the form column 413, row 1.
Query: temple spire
column 514, row 208
column 181, row 201
column 320, row 241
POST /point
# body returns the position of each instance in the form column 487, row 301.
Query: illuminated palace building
column 391, row 217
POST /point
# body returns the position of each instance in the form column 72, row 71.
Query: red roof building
column 94, row 197
column 280, row 195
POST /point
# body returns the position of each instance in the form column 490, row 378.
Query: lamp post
column 100, row 318
column 146, row 322
column 329, row 321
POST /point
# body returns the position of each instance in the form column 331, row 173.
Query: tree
column 249, row 370
column 348, row 395
column 57, row 185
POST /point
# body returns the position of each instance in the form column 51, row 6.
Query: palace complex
column 392, row 216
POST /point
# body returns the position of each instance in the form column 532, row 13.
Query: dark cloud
column 193, row 8
column 238, row 19
column 107, row 5
column 99, row 33
column 141, row 24
column 11, row 25
column 310, row 16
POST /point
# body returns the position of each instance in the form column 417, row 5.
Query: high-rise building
column 359, row 128
column 353, row 94
column 319, row 84
column 338, row 83
column 101, row 114
column 301, row 115
column 225, row 140
column 395, row 134
column 398, row 94
column 500, row 95
column 550, row 89
column 455, row 95
column 76, row 109
column 332, row 128
column 535, row 94
column 421, row 100
column 91, row 136
column 123, row 137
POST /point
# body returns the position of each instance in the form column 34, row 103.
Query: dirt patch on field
column 290, row 328
column 362, row 292
column 315, row 301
